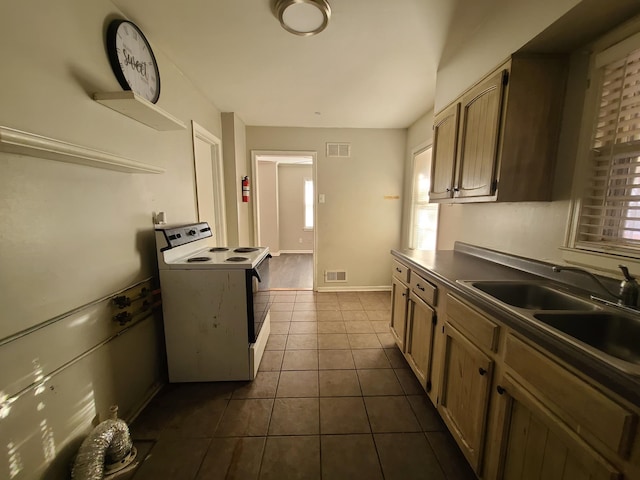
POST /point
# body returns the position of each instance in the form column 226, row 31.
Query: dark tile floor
column 334, row 399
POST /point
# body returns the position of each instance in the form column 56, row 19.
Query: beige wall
column 482, row 36
column 291, row 207
column 356, row 225
column 236, row 166
column 73, row 234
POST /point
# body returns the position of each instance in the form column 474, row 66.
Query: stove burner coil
column 236, row 259
column 246, row 249
column 198, row 259
column 219, row 249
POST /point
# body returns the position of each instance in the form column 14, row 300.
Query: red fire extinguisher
column 245, row 189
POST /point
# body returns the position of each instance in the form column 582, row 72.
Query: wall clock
column 132, row 60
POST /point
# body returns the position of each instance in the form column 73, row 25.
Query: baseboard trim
column 295, row 251
column 380, row 288
column 153, row 391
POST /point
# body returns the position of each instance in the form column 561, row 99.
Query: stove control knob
column 191, row 232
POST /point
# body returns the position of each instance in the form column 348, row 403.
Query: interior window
column 609, row 208
column 308, row 204
column 424, row 222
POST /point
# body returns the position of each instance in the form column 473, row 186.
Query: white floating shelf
column 25, row 143
column 136, row 107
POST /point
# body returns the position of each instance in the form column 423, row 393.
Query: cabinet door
column 443, row 162
column 399, row 299
column 420, row 330
column 479, row 131
column 464, row 394
column 536, row 444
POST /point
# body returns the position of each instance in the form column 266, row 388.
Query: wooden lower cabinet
column 399, row 300
column 532, row 443
column 420, row 334
column 464, row 393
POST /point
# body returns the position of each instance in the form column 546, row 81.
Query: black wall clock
column 132, row 60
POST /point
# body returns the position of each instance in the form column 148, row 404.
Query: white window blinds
column 610, row 208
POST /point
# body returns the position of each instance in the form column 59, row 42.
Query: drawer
column 400, row 271
column 423, row 288
column 483, row 331
column 580, row 405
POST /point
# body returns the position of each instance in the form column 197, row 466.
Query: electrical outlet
column 300, row 240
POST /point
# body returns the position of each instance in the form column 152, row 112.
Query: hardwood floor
column 291, row 270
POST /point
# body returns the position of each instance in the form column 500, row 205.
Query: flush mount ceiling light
column 303, row 17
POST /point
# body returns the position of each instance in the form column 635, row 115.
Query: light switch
column 321, row 198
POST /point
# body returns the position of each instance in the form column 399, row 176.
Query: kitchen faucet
column 629, row 288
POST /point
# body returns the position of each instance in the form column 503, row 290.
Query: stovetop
column 228, row 258
column 192, row 246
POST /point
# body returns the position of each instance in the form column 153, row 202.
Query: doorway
column 209, row 182
column 285, row 215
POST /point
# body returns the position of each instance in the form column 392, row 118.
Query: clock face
column 132, row 60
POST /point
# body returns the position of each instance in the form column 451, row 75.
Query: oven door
column 259, row 297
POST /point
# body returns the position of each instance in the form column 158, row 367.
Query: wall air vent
column 335, row 276
column 338, row 150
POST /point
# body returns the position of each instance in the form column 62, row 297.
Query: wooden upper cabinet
column 479, row 129
column 445, row 141
column 506, row 138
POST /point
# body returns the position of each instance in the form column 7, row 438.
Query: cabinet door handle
column 420, row 287
column 456, row 189
column 500, row 390
column 404, row 294
column 482, row 371
column 398, row 270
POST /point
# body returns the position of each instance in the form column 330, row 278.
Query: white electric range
column 215, row 303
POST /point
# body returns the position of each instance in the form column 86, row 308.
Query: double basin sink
column 609, row 334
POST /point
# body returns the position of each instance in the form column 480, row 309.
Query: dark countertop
column 467, row 262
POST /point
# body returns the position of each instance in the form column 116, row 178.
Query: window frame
column 305, row 226
column 412, row 199
column 605, row 258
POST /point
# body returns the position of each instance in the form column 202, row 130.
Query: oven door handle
column 254, row 271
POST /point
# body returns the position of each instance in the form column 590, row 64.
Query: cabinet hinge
column 443, row 329
column 505, row 78
column 428, row 385
column 434, row 320
column 494, row 186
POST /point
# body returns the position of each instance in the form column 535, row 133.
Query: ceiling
column 373, row 67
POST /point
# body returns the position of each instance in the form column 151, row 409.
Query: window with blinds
column 424, row 224
column 610, row 208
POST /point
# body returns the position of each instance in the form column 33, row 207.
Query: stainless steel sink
column 603, row 331
column 614, row 334
column 532, row 296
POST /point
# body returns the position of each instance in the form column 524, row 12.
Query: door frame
column 256, row 186
column 201, row 133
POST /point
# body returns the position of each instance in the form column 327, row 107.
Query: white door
column 209, row 182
